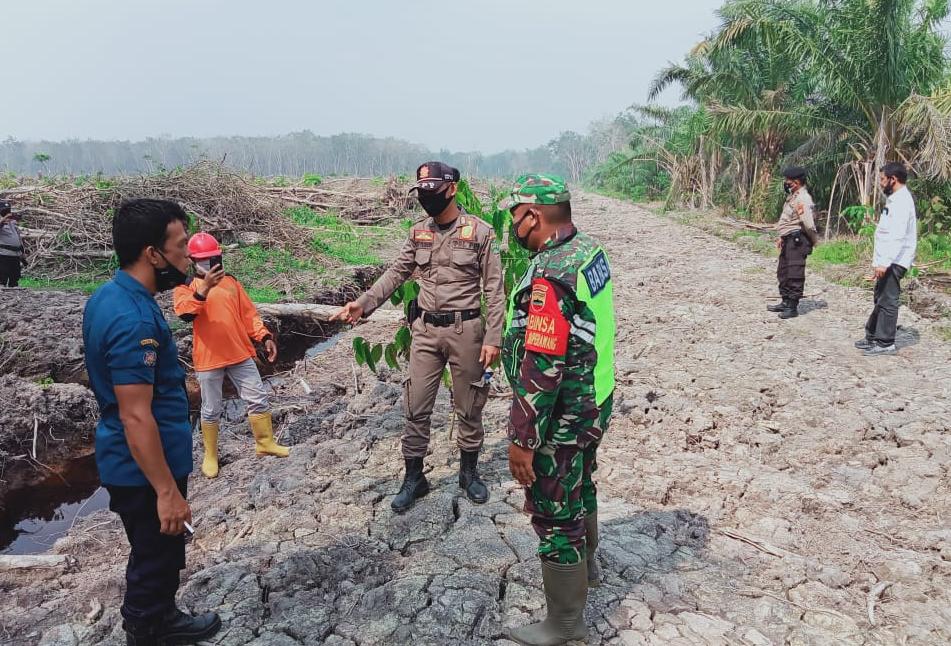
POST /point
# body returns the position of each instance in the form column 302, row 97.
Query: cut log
column 27, row 561
column 318, row 313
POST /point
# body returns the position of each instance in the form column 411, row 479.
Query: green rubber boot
column 566, row 592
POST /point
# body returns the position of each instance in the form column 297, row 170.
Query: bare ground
column 760, row 479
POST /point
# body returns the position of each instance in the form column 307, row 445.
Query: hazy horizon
column 477, row 79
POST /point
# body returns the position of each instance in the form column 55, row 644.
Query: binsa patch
column 547, row 329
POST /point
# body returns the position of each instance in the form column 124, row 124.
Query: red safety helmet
column 203, row 245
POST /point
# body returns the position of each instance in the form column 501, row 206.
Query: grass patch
column 934, row 250
column 264, row 294
column 84, row 285
column 838, row 252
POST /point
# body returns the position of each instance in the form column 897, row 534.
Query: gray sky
column 486, row 75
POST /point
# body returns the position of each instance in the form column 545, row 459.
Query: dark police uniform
column 127, row 341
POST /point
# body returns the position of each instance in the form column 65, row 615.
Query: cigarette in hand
column 191, row 530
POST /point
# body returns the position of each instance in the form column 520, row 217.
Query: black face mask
column 513, row 233
column 889, row 188
column 168, row 277
column 787, row 188
column 433, row 202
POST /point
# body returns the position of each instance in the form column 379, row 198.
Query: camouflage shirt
column 552, row 372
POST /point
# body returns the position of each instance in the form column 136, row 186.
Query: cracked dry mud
column 759, row 478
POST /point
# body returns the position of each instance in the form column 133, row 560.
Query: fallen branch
column 762, row 546
column 318, row 313
column 28, row 561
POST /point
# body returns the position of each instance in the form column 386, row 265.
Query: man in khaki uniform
column 455, row 260
column 797, row 237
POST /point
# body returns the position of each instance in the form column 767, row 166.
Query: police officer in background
column 797, row 237
column 456, row 262
column 11, row 247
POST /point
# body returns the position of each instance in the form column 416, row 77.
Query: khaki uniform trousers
column 458, row 345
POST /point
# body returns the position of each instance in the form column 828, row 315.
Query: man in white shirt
column 896, row 238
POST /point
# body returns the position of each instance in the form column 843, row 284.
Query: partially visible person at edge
column 226, row 325
column 797, row 237
column 558, row 354
column 896, row 240
column 12, row 254
column 456, row 261
column 143, row 439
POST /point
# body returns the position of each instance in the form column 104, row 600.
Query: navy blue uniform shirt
column 129, row 342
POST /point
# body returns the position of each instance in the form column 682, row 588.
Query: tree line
column 300, row 153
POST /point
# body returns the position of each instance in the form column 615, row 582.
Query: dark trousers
column 9, row 271
column 154, row 559
column 882, row 325
column 791, row 270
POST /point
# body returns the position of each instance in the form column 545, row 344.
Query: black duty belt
column 9, row 247
column 797, row 232
column 445, row 319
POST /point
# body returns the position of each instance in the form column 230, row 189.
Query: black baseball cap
column 432, row 175
column 794, row 172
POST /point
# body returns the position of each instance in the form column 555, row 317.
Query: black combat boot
column 415, row 486
column 174, row 627
column 778, row 307
column 469, row 478
column 791, row 311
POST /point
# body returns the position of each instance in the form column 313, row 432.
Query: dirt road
column 761, row 478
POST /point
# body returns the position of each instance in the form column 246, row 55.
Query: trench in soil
column 36, row 516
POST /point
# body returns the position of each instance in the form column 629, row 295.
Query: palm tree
column 878, row 76
column 736, row 81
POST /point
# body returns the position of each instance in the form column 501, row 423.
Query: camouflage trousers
column 564, row 491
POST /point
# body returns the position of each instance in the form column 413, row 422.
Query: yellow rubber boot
column 209, row 435
column 263, row 431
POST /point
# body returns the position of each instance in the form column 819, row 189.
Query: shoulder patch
column 150, row 358
column 547, row 329
column 467, row 229
column 597, row 273
column 423, row 235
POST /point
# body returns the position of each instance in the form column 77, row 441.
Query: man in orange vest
column 226, row 324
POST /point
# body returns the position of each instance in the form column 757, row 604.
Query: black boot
column 791, row 311
column 175, row 627
column 778, row 307
column 469, row 479
column 415, row 486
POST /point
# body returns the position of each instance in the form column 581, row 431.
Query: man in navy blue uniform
column 143, row 439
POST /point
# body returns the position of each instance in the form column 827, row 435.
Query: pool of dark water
column 36, row 518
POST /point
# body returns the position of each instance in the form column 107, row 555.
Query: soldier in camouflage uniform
column 558, row 354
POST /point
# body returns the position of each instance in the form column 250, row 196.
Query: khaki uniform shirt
column 798, row 213
column 453, row 268
column 10, row 237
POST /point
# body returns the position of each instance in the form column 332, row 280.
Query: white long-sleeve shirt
column 896, row 236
